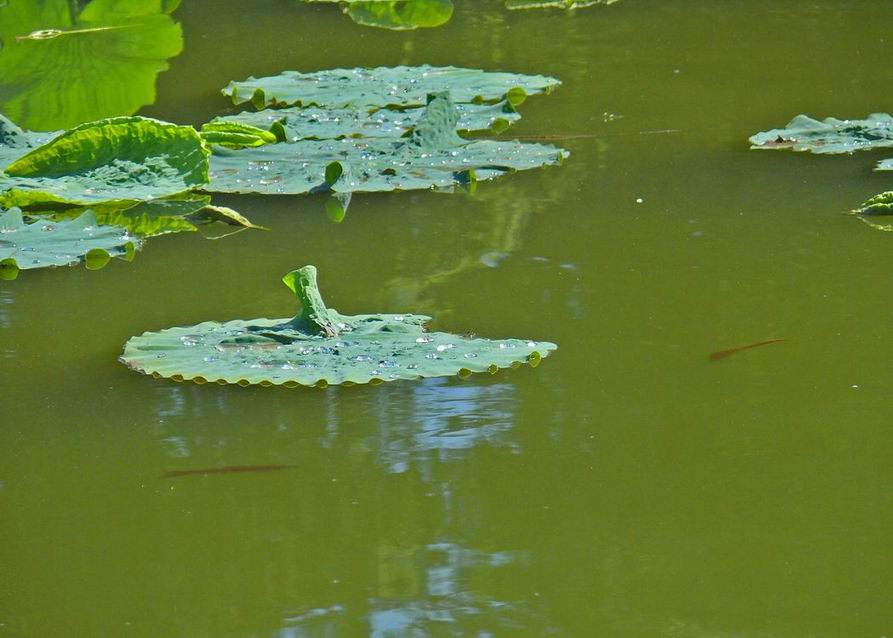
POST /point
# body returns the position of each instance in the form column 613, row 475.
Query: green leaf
column 881, row 204
column 370, row 89
column 433, row 157
column 45, row 243
column 401, row 15
column 166, row 216
column 320, row 347
column 101, row 62
column 829, row 136
column 554, row 4
column 16, row 142
column 314, row 123
column 119, row 160
column 232, row 133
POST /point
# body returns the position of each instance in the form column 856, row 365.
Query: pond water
column 628, row 487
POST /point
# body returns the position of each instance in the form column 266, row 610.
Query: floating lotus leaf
column 554, row 4
column 320, row 347
column 16, row 142
column 295, row 124
column 60, row 67
column 399, row 15
column 829, row 136
column 434, row 156
column 401, row 87
column 46, row 243
column 118, row 160
column 166, row 216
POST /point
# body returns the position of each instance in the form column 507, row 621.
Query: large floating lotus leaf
column 830, row 136
column 554, row 4
column 320, row 347
column 124, row 159
column 80, row 66
column 401, row 87
column 295, row 124
column 46, row 243
column 434, row 156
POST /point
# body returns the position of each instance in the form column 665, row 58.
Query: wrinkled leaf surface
column 125, row 159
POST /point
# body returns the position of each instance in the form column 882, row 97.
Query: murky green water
column 628, row 487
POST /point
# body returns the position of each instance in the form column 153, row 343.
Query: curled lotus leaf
column 319, row 347
column 232, row 133
column 313, row 123
column 433, row 157
column 46, row 243
column 117, row 160
column 400, row 87
column 829, row 136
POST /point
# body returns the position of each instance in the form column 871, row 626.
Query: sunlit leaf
column 97, row 63
column 319, row 347
column 119, row 160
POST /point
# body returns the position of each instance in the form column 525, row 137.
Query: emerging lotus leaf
column 320, row 347
column 118, row 160
column 64, row 62
column 296, row 124
column 235, row 134
column 829, row 136
column 400, row 87
column 45, row 243
column 434, row 156
column 554, row 4
column 878, row 205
